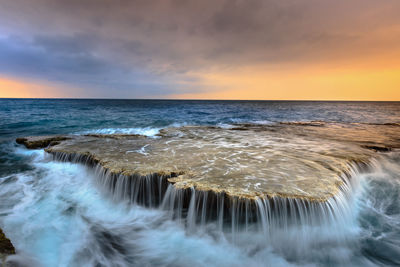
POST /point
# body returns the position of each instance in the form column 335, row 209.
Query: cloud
column 153, row 48
column 73, row 60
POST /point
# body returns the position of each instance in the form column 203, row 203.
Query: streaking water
column 57, row 214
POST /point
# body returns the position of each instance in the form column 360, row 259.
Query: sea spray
column 75, row 217
column 43, row 201
column 197, row 208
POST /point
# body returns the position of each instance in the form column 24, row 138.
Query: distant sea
column 55, row 216
column 47, row 116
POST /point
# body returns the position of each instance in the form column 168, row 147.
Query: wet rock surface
column 246, row 161
column 34, row 142
column 6, row 247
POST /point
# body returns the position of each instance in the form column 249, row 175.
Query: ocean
column 57, row 214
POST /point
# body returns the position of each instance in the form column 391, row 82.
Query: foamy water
column 57, row 215
column 61, row 214
column 145, row 131
column 148, row 131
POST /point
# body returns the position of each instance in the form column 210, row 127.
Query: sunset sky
column 283, row 49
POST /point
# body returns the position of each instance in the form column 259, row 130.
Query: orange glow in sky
column 256, row 50
column 15, row 88
column 252, row 84
column 302, row 84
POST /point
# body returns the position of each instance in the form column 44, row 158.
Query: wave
column 146, row 131
column 56, row 215
column 76, row 226
column 154, row 131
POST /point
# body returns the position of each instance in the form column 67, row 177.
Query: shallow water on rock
column 61, row 214
column 287, row 160
column 57, row 215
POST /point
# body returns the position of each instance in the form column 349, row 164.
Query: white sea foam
column 56, row 216
column 264, row 122
column 225, row 125
column 147, row 131
column 62, row 220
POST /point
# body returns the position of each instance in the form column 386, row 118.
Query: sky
column 209, row 49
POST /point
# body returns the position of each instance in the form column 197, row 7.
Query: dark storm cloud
column 71, row 60
column 75, row 44
column 140, row 42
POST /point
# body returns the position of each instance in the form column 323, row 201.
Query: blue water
column 35, row 117
column 56, row 216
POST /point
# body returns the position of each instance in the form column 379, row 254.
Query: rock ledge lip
column 37, row 142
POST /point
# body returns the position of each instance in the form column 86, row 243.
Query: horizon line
column 192, row 99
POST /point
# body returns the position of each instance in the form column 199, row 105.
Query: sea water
column 56, row 214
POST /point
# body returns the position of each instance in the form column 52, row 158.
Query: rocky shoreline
column 6, row 247
column 210, row 171
column 301, row 161
column 208, row 160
